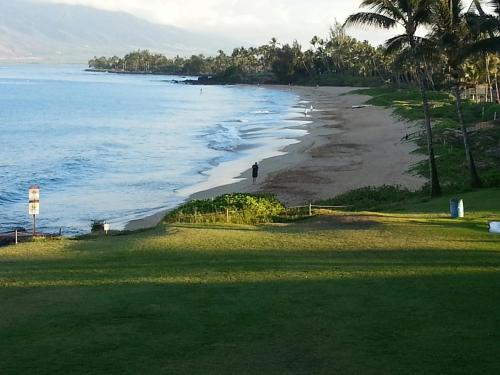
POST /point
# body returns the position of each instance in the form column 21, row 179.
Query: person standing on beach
column 255, row 172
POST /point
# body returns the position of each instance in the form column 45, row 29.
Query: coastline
column 345, row 148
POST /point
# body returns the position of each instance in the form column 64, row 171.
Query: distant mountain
column 69, row 33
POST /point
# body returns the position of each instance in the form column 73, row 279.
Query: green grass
column 450, row 156
column 409, row 292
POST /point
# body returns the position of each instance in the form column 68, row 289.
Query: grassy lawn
column 407, row 292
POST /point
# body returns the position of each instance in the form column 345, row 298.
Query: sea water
column 120, row 147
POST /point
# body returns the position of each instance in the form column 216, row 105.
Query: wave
column 240, row 121
column 6, row 197
column 17, row 83
column 224, row 138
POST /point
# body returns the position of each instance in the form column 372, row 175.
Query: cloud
column 253, row 21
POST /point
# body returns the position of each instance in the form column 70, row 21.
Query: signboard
column 34, row 208
column 34, row 200
column 34, row 194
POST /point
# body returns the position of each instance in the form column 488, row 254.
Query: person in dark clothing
column 255, row 172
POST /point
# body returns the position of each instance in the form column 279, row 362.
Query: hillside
column 66, row 33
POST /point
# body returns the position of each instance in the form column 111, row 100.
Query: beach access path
column 345, row 148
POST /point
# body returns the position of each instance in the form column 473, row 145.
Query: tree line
column 460, row 49
column 336, row 59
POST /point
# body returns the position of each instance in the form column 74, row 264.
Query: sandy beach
column 345, row 148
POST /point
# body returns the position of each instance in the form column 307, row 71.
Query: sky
column 250, row 21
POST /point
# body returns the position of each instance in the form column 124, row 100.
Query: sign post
column 34, row 204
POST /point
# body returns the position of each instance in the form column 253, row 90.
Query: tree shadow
column 362, row 324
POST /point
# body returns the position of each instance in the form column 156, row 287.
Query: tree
column 411, row 15
column 286, row 61
column 454, row 37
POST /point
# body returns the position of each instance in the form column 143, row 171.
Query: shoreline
column 345, row 148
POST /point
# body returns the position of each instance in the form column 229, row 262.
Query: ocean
column 121, row 147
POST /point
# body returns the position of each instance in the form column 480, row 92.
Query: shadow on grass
column 228, row 227
column 315, row 223
column 132, row 304
column 212, row 264
column 442, row 323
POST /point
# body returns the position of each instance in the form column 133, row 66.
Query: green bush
column 243, row 208
column 234, row 75
column 372, row 198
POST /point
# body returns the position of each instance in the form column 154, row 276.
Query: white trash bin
column 495, row 227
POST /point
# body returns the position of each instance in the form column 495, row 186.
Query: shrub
column 372, row 198
column 244, row 208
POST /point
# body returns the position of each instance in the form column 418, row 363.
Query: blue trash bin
column 457, row 208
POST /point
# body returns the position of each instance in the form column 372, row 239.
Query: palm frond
column 370, row 19
column 396, row 44
column 425, row 49
column 489, row 45
column 389, row 8
column 423, row 12
column 482, row 24
column 403, row 59
column 495, row 4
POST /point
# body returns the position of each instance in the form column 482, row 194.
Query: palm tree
column 489, row 24
column 452, row 34
column 481, row 24
column 410, row 14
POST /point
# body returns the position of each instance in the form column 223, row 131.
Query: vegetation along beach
column 323, row 204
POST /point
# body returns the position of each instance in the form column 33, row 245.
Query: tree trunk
column 488, row 77
column 434, row 180
column 377, row 71
column 430, row 79
column 475, row 181
column 496, row 88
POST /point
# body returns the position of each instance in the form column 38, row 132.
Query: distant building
column 479, row 93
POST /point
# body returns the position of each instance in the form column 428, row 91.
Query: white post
column 227, row 216
column 310, row 209
column 16, row 236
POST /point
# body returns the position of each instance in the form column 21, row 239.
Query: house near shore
column 480, row 93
